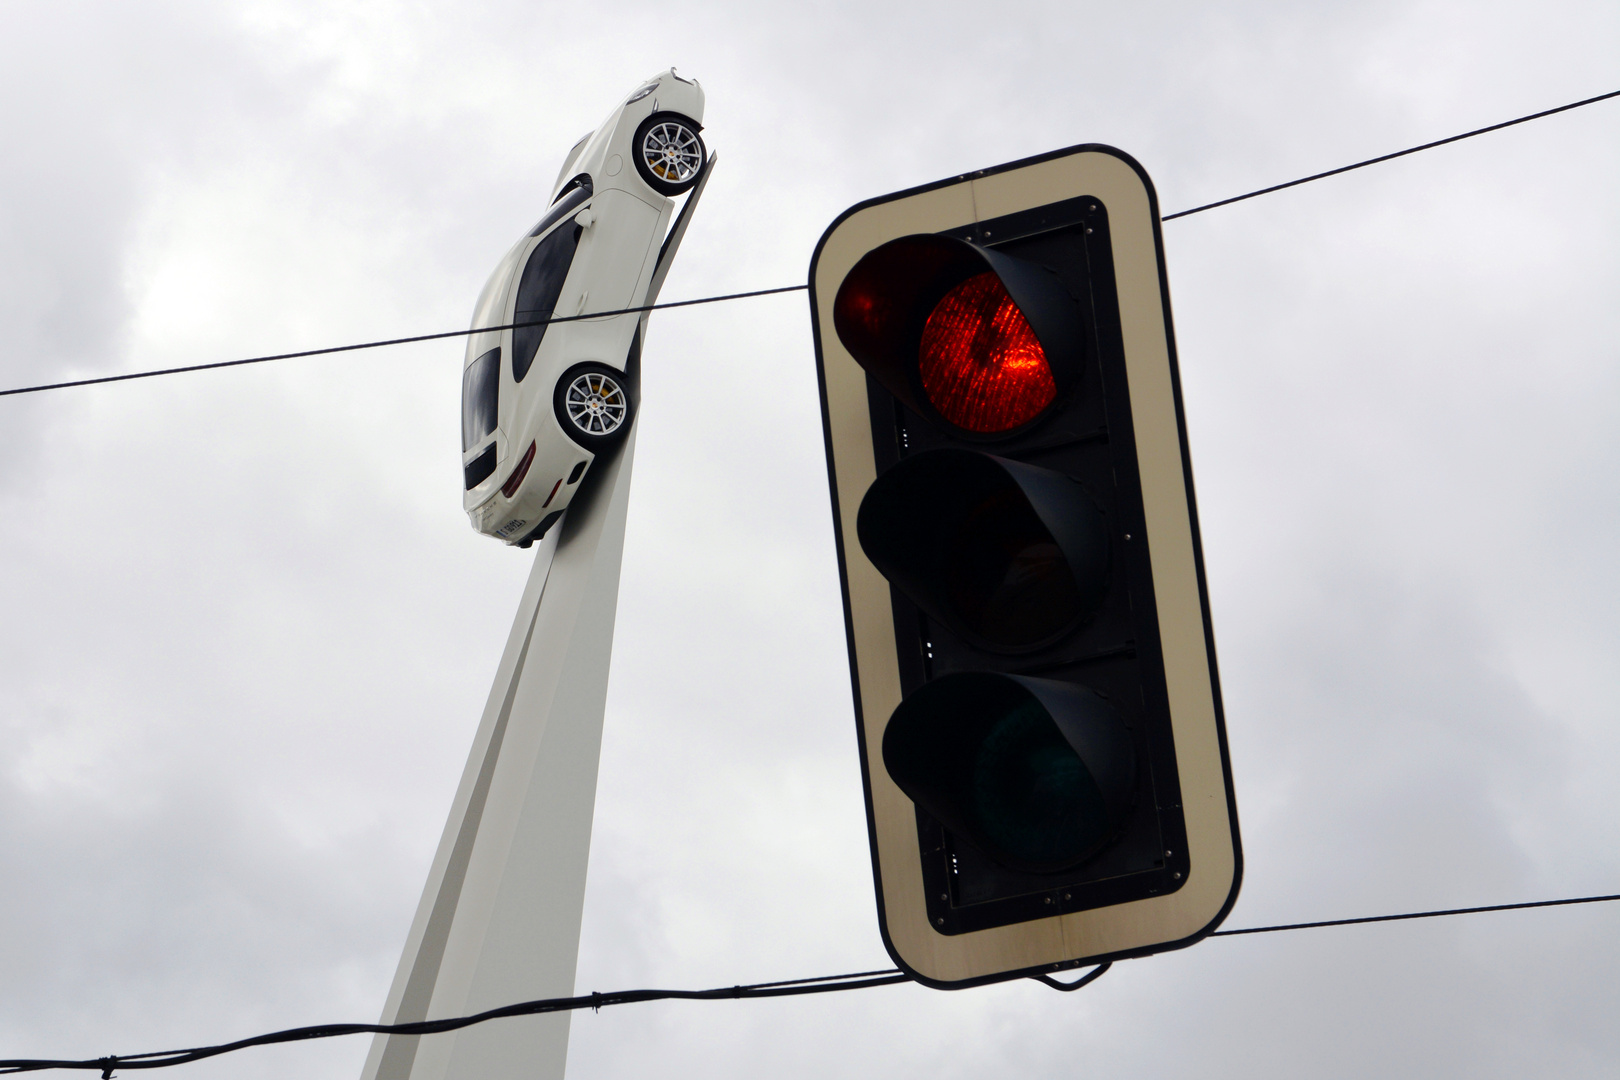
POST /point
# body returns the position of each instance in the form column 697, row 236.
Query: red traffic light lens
column 981, row 365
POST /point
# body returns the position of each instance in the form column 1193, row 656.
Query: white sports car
column 540, row 402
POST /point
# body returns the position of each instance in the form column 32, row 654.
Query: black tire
column 669, row 152
column 593, row 406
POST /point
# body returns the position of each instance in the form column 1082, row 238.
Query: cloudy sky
column 247, row 632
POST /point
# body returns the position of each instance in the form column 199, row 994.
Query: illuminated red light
column 981, row 365
column 515, row 481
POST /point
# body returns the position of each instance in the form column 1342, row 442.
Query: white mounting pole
column 499, row 918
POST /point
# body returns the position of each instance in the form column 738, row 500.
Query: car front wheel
column 669, row 152
column 593, row 405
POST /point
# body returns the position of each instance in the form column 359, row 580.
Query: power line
column 1391, row 157
column 393, row 341
column 756, row 292
column 163, row 1058
column 859, row 980
column 1419, row 915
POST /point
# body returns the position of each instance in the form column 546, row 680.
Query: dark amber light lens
column 1005, row 576
column 981, row 365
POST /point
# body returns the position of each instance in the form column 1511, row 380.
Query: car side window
column 568, row 200
column 538, row 289
column 573, row 156
column 480, row 394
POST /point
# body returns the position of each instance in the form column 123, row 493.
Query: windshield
column 480, row 393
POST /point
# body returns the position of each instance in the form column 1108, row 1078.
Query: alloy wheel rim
column 595, row 404
column 670, row 151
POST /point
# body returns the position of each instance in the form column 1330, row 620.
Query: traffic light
column 1036, row 696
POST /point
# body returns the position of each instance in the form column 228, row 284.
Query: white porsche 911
column 540, row 402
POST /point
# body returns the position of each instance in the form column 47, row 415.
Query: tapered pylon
column 499, row 918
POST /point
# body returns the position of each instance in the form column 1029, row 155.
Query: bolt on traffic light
column 1039, row 715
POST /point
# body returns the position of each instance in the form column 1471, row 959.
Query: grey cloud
column 248, row 632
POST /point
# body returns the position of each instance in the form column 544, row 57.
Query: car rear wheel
column 593, row 406
column 669, row 152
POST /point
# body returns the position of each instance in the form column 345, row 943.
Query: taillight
column 515, row 481
column 981, row 365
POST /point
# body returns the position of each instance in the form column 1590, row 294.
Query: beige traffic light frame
column 1137, row 927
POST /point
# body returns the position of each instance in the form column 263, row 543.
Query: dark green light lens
column 1037, row 774
column 1032, row 795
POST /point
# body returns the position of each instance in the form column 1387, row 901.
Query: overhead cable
column 756, row 292
column 859, row 980
column 393, row 341
column 163, row 1058
column 1419, row 915
column 1391, row 157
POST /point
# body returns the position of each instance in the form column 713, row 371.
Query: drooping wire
column 759, row 292
column 1391, row 157
column 859, row 980
column 1085, row 980
column 164, row 1058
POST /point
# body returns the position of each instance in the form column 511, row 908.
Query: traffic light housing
column 1036, row 696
